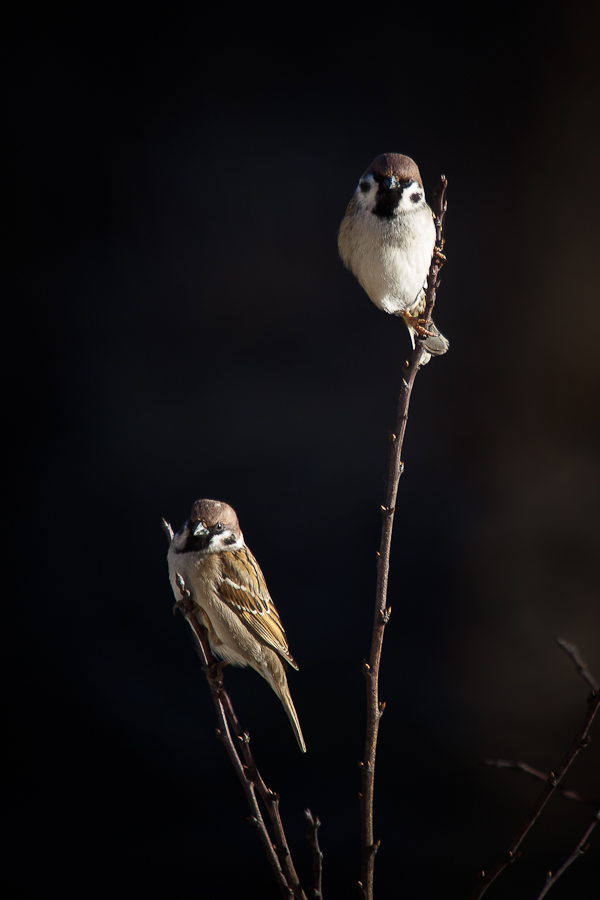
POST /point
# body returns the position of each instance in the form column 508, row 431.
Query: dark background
column 189, row 331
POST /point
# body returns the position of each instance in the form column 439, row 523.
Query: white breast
column 390, row 257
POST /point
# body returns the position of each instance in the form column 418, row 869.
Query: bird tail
column 293, row 717
column 433, row 345
column 290, row 709
column 275, row 675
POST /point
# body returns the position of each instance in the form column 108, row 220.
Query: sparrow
column 387, row 239
column 230, row 593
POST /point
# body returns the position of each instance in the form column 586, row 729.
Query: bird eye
column 365, row 186
column 219, row 527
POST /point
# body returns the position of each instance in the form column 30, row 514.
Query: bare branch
column 580, row 665
column 542, row 776
column 579, row 850
column 312, row 835
column 278, row 855
column 382, row 611
column 581, row 740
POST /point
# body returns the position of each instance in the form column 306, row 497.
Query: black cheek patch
column 231, row 539
column 365, row 186
column 415, row 197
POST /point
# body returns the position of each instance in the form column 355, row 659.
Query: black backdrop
column 189, row 331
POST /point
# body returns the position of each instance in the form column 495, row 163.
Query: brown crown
column 394, row 164
column 209, row 512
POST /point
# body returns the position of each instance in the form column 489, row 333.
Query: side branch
column 542, row 776
column 382, row 611
column 278, row 853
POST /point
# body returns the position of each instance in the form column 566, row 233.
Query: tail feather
column 434, row 345
column 293, row 717
column 274, row 673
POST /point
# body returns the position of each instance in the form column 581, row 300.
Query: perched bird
column 387, row 239
column 228, row 588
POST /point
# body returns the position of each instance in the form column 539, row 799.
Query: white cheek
column 406, row 201
column 366, row 199
column 219, row 542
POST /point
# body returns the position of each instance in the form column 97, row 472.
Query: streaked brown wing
column 244, row 590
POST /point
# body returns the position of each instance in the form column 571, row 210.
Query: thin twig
column 382, row 611
column 580, row 665
column 279, row 855
column 542, row 776
column 579, row 850
column 312, row 835
column 582, row 740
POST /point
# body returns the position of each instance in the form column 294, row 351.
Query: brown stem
column 382, row 611
column 579, row 850
column 278, row 855
column 582, row 740
column 312, row 834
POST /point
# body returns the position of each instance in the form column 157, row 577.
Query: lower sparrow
column 229, row 590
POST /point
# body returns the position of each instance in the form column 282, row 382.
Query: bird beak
column 200, row 530
column 389, row 183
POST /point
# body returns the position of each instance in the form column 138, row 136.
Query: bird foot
column 439, row 256
column 183, row 605
column 417, row 325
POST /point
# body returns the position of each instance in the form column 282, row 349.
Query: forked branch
column 582, row 739
column 579, row 850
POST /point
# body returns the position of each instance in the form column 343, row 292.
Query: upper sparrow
column 234, row 604
column 387, row 238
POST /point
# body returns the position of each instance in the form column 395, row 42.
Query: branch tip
column 579, row 663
